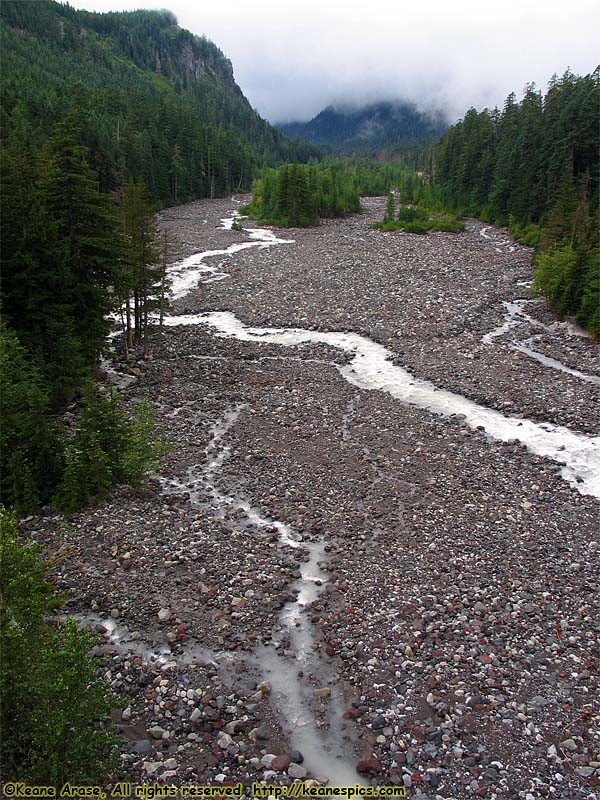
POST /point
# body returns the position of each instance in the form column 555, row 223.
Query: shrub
column 31, row 447
column 589, row 311
column 53, row 705
column 107, row 448
column 554, row 276
column 412, row 219
column 418, row 226
column 411, row 213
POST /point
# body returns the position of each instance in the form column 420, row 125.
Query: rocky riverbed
column 325, row 582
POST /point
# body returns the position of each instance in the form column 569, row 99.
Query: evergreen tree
column 535, row 166
column 390, row 208
column 107, row 448
column 30, row 442
column 296, row 195
column 83, row 242
column 141, row 277
column 559, row 225
column 54, row 708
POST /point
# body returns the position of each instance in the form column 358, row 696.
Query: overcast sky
column 293, row 57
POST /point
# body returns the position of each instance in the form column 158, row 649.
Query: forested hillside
column 371, row 128
column 162, row 104
column 535, row 167
column 104, row 117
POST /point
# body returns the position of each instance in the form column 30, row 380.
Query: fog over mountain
column 294, row 59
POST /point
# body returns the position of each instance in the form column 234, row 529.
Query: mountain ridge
column 379, row 124
column 159, row 98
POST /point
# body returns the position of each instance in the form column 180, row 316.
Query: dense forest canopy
column 162, row 103
column 297, row 196
column 535, row 167
column 392, row 126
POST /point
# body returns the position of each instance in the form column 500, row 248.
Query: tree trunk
column 137, row 316
column 124, row 326
column 163, row 279
column 129, row 336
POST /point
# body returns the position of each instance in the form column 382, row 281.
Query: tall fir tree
column 84, row 244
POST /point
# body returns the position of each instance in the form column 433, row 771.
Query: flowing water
column 287, row 662
column 184, row 276
column 516, row 315
column 324, row 753
column 371, row 368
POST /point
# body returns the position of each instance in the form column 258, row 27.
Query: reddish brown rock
column 281, row 763
column 368, row 766
column 409, row 610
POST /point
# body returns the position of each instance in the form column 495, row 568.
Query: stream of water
column 371, row 368
column 184, row 276
column 324, row 755
column 516, row 315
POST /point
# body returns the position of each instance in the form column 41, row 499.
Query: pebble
column 447, row 612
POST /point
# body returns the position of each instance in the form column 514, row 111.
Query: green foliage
column 553, row 276
column 53, row 705
column 61, row 250
column 390, row 208
column 588, row 311
column 162, row 103
column 30, row 442
column 297, row 196
column 528, row 235
column 416, row 219
column 373, row 177
column 140, row 282
column 535, row 166
column 107, row 448
column 142, row 448
column 571, row 286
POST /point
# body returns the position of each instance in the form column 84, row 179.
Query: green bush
column 414, row 219
column 53, row 706
column 448, row 225
column 529, row 235
column 589, row 310
column 418, row 226
column 554, row 275
column 411, row 214
column 107, row 449
column 31, row 447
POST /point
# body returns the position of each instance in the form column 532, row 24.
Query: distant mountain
column 369, row 127
column 161, row 103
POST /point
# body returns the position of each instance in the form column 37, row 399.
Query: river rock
column 296, row 771
column 369, row 766
column 280, row 763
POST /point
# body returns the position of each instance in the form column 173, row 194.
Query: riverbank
column 453, row 639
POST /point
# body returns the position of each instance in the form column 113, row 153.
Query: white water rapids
column 371, row 367
column 514, row 315
column 185, row 275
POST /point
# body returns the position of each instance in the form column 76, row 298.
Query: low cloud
column 292, row 59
